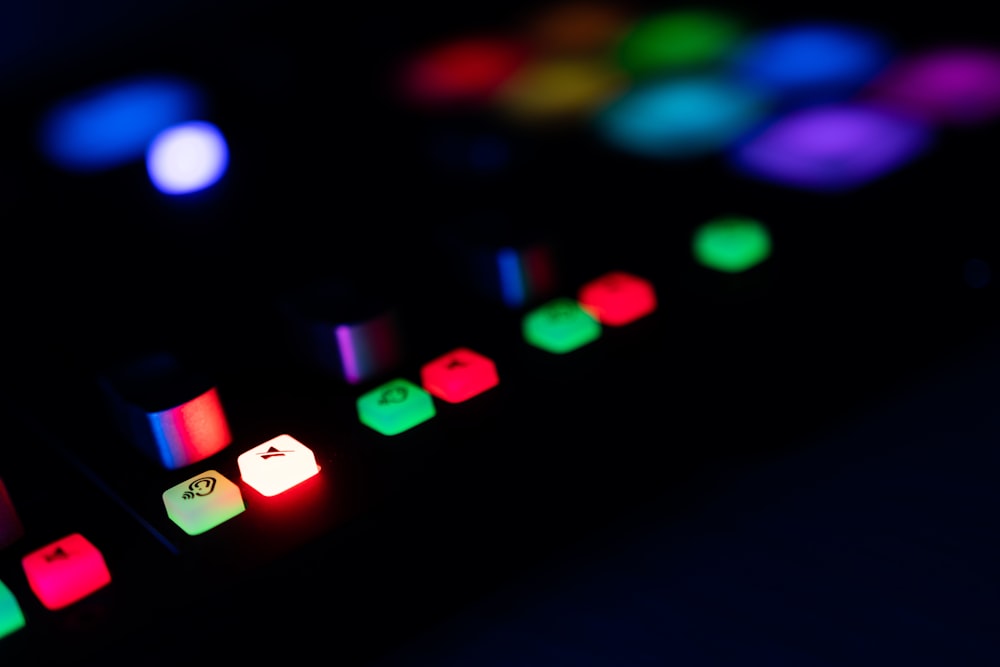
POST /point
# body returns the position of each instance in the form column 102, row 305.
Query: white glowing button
column 277, row 465
column 187, row 158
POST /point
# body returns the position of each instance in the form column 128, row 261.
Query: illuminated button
column 277, row 465
column 617, row 298
column 167, row 410
column 731, row 245
column 830, row 147
column 394, row 407
column 203, row 502
column 10, row 524
column 560, row 326
column 65, row 571
column 459, row 375
column 11, row 616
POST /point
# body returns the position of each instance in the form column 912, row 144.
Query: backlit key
column 459, row 375
column 394, row 407
column 617, row 298
column 203, row 502
column 11, row 616
column 277, row 465
column 560, row 326
column 65, row 571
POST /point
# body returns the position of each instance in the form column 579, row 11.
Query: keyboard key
column 560, row 326
column 203, row 502
column 618, row 298
column 65, row 571
column 168, row 410
column 277, row 465
column 731, row 244
column 11, row 616
column 459, row 375
column 394, row 407
column 10, row 524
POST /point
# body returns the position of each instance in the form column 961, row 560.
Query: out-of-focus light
column 812, row 61
column 559, row 90
column 560, row 326
column 395, row 407
column 680, row 118
column 11, row 616
column 731, row 244
column 112, row 124
column 617, row 298
column 460, row 72
column 831, row 147
column 459, row 375
column 977, row 273
column 187, row 158
column 65, row 571
column 678, row 39
column 954, row 85
column 577, row 27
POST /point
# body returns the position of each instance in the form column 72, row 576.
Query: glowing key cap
column 459, row 375
column 203, row 502
column 394, row 407
column 11, row 616
column 731, row 244
column 277, row 465
column 65, row 571
column 617, row 298
column 10, row 524
column 560, row 326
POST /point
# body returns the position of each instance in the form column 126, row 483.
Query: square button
column 277, row 465
column 11, row 616
column 394, row 407
column 203, row 502
column 65, row 571
column 618, row 298
column 459, row 375
column 560, row 326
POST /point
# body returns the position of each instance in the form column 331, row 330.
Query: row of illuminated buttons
column 72, row 568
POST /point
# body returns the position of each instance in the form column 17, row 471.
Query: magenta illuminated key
column 831, row 147
column 65, row 571
column 459, row 375
column 10, row 524
column 617, row 298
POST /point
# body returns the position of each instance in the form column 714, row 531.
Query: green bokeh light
column 677, row 39
column 11, row 617
column 731, row 244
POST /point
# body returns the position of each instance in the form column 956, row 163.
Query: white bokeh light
column 187, row 158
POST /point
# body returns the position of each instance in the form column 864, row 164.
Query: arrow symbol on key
column 274, row 451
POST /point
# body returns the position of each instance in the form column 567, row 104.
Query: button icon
column 203, row 502
column 277, row 465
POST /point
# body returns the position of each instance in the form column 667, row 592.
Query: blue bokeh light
column 112, row 124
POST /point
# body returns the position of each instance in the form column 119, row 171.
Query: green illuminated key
column 560, row 326
column 11, row 617
column 394, row 407
column 203, row 502
column 731, row 244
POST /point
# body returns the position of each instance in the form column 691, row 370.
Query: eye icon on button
column 199, row 487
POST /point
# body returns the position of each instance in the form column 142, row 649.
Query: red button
column 617, row 298
column 459, row 375
column 65, row 571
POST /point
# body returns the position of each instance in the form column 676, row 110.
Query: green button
column 731, row 244
column 11, row 618
column 394, row 407
column 560, row 326
column 203, row 502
